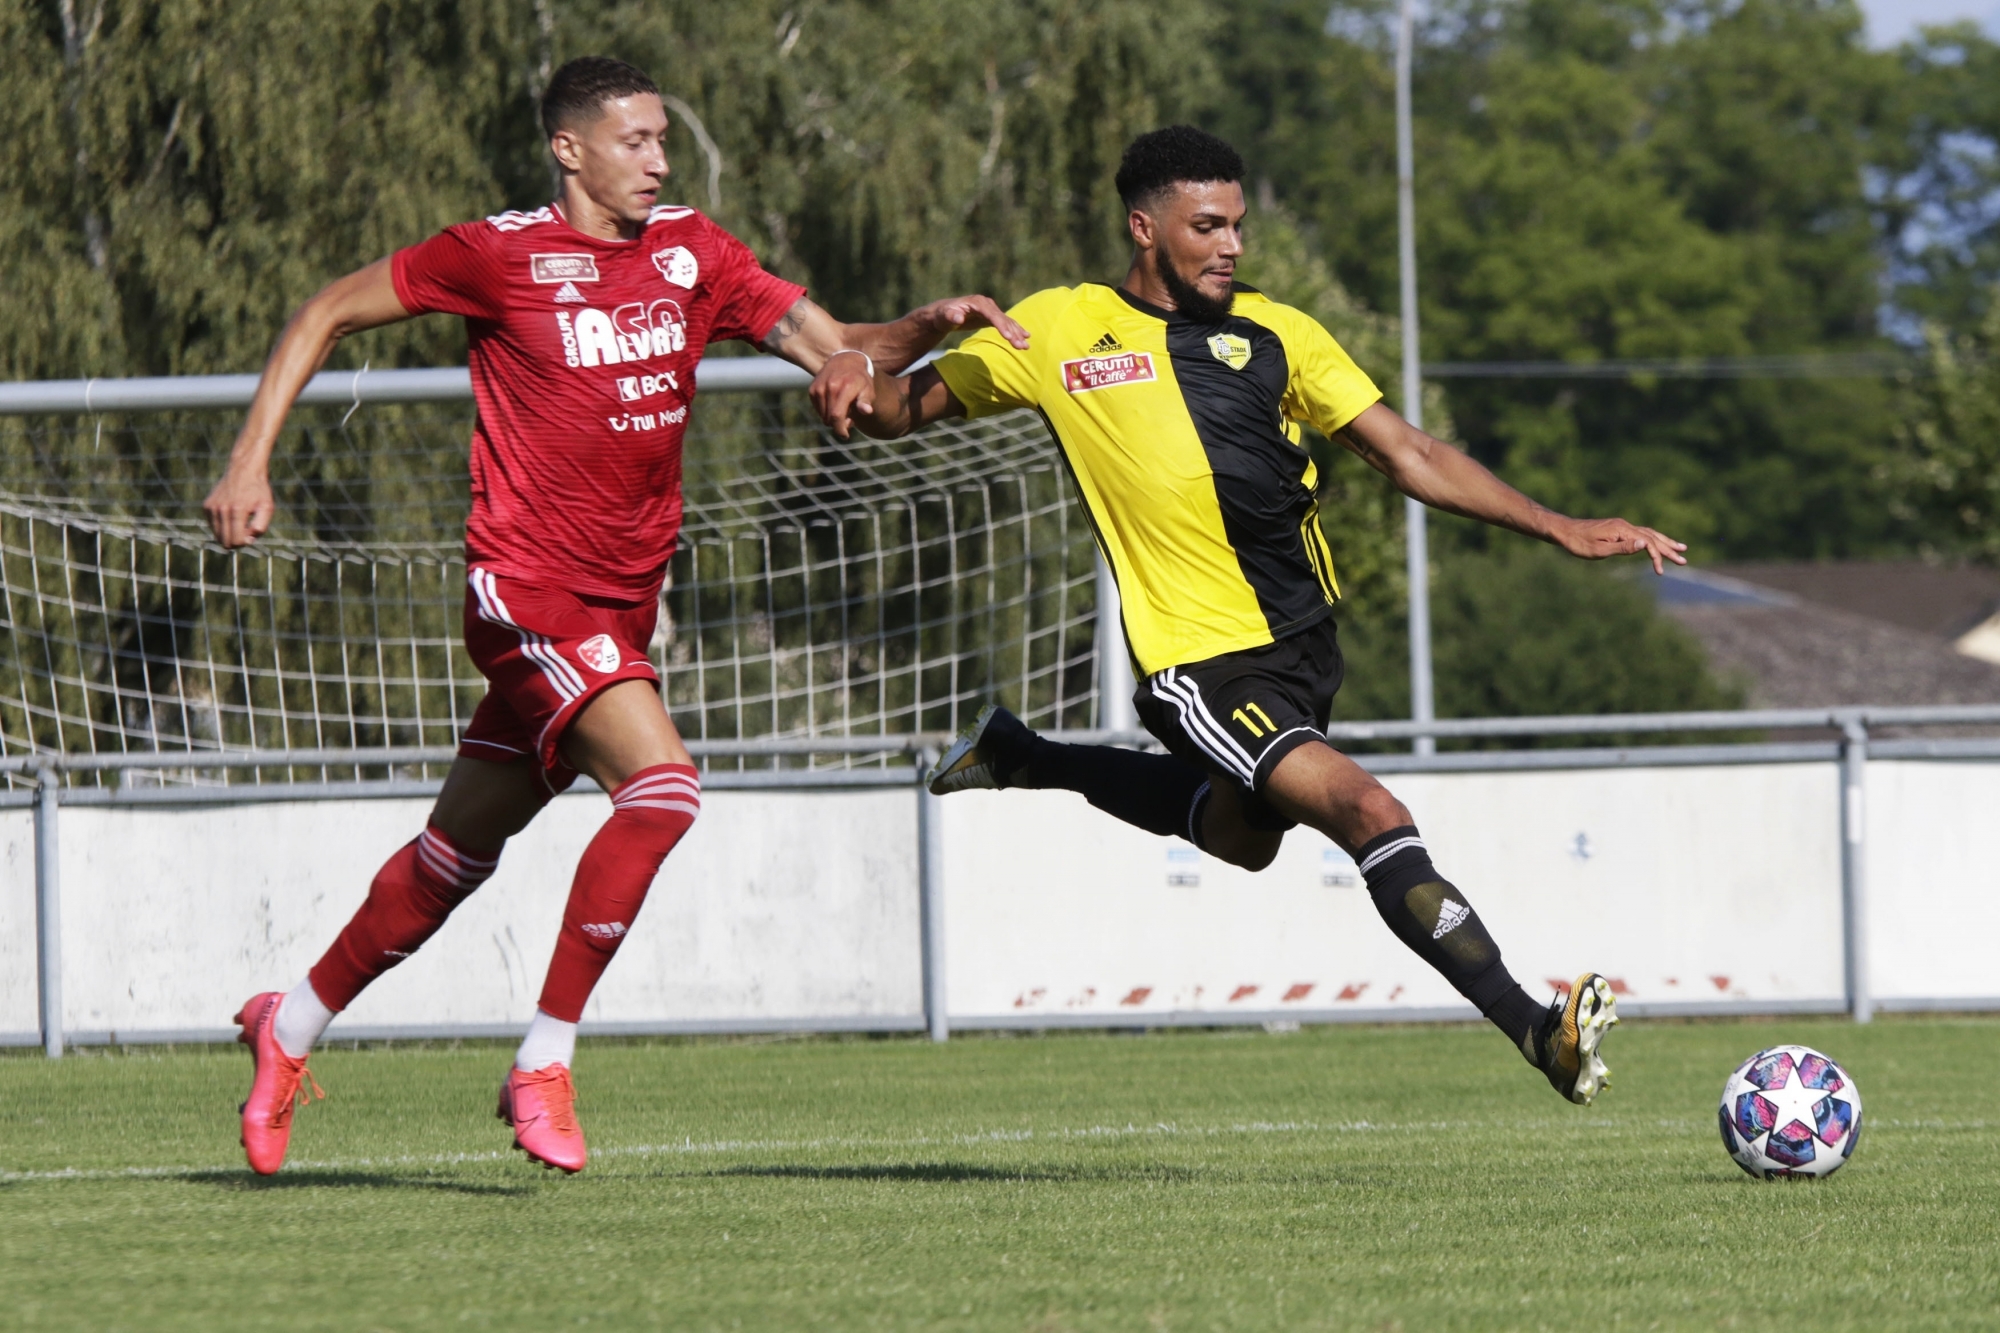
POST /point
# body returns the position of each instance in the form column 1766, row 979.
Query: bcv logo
column 631, row 388
column 639, row 331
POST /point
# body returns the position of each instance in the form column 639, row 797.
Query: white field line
column 688, row 1147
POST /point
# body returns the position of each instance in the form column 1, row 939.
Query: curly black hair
column 1159, row 159
column 578, row 91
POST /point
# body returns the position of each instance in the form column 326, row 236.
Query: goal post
column 821, row 588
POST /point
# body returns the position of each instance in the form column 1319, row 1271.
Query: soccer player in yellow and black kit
column 1177, row 398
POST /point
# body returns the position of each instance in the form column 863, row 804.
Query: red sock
column 413, row 893
column 650, row 811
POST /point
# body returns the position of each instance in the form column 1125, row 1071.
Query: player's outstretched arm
column 888, row 406
column 1442, row 477
column 239, row 508
column 809, row 337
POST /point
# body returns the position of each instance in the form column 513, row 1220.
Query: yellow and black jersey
column 1183, row 438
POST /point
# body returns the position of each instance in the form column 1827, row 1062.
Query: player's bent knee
column 1380, row 811
column 483, row 804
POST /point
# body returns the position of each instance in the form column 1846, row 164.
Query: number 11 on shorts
column 1256, row 732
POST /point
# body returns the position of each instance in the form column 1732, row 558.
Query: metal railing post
column 930, row 900
column 1114, row 661
column 1416, row 538
column 48, row 907
column 1854, row 865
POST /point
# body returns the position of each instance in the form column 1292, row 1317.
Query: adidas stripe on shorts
column 1237, row 715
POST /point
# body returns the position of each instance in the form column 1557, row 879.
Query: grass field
column 1367, row 1178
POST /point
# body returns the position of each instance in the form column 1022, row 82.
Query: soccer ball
column 1790, row 1111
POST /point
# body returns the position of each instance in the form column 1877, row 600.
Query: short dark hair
column 578, row 91
column 1160, row 159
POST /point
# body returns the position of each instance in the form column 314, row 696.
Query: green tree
column 1949, row 470
column 1521, row 629
column 886, row 152
column 1599, row 179
column 1524, row 628
column 1941, row 213
column 184, row 172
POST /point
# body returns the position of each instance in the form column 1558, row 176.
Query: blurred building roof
column 1944, row 600
column 1808, row 635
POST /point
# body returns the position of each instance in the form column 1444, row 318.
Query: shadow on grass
column 949, row 1173
column 372, row 1180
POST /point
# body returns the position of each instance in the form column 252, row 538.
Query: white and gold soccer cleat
column 1571, row 1034
column 992, row 747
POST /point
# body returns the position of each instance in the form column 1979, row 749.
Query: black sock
column 1155, row 792
column 1432, row 916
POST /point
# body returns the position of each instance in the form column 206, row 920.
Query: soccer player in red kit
column 586, row 319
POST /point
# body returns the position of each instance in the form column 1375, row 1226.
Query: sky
column 1890, row 21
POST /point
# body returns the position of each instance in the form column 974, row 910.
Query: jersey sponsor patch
column 1230, row 350
column 562, row 268
column 631, row 388
column 677, row 265
column 1089, row 373
column 636, row 331
column 600, row 653
column 644, row 421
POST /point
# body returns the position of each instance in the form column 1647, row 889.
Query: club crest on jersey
column 638, row 331
column 677, row 265
column 599, row 653
column 1090, row 373
column 1230, row 350
column 562, row 268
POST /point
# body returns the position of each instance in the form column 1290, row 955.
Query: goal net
column 821, row 589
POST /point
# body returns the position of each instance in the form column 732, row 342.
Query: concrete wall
column 1673, row 882
column 1688, row 886
column 778, row 905
column 1934, row 882
column 19, row 1012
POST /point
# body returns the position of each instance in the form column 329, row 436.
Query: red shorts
column 546, row 653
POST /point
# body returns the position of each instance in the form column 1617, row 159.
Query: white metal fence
column 1737, row 878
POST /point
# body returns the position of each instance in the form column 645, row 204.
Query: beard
column 1189, row 299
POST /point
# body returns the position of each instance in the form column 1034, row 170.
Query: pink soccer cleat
column 542, row 1109
column 274, row 1088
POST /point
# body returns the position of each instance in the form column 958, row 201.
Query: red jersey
column 583, row 356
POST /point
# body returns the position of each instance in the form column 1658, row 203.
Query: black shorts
column 1237, row 715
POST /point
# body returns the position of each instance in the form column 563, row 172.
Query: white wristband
column 856, row 351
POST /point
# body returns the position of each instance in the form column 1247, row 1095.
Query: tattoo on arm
column 788, row 325
column 1360, row 448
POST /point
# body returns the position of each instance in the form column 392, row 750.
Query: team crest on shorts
column 599, row 653
column 1230, row 350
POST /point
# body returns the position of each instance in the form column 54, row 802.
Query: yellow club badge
column 1230, row 350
